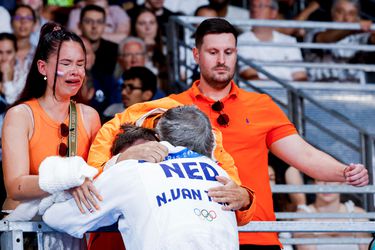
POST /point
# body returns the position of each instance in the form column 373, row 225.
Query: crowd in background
column 127, row 61
column 121, row 34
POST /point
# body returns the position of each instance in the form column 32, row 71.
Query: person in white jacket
column 159, row 205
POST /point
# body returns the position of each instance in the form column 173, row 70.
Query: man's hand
column 235, row 196
column 151, row 151
column 356, row 175
column 87, row 195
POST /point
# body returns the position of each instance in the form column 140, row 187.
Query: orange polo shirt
column 255, row 122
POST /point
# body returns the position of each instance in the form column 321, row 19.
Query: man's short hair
column 213, row 26
column 147, row 78
column 131, row 39
column 356, row 3
column 187, row 126
column 91, row 7
column 129, row 135
column 202, row 7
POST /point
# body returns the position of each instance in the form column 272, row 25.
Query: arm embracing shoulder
column 100, row 150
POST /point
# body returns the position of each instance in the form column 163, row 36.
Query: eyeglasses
column 64, row 132
column 129, row 87
column 222, row 119
column 23, row 18
column 137, row 54
column 261, row 6
column 92, row 21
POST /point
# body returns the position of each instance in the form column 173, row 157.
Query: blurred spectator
column 4, row 20
column 224, row 9
column 92, row 24
column 206, row 11
column 157, row 8
column 330, row 203
column 342, row 11
column 117, row 22
column 145, row 26
column 23, row 23
column 139, row 85
column 267, row 9
column 12, row 72
column 304, row 15
column 38, row 7
column 131, row 52
column 183, row 6
column 87, row 91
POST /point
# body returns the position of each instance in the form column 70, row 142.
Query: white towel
column 62, row 173
column 56, row 174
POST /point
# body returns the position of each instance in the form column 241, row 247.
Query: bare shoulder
column 18, row 119
column 89, row 113
column 20, row 113
column 91, row 119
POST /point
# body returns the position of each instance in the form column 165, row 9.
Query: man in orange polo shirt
column 251, row 125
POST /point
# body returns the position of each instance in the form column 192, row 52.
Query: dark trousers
column 259, row 247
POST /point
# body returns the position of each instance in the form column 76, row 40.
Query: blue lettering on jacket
column 190, row 170
column 178, row 193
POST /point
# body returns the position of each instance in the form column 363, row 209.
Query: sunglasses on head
column 222, row 119
column 63, row 147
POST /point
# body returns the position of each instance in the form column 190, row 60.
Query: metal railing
column 188, row 23
column 12, row 236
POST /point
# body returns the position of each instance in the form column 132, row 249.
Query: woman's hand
column 87, row 195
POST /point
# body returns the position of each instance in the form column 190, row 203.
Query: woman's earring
column 45, row 78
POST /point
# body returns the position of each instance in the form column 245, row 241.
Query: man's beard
column 218, row 82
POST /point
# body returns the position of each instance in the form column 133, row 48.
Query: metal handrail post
column 12, row 240
column 368, row 159
column 296, row 111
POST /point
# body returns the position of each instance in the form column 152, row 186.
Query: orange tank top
column 46, row 136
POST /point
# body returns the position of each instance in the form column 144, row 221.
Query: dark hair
column 213, row 26
column 129, row 134
column 27, row 7
column 91, row 7
column 52, row 35
column 202, row 7
column 147, row 78
column 10, row 37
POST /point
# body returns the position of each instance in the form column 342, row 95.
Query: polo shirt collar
column 196, row 93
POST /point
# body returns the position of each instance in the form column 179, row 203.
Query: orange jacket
column 100, row 149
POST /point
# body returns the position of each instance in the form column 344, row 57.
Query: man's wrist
column 250, row 194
